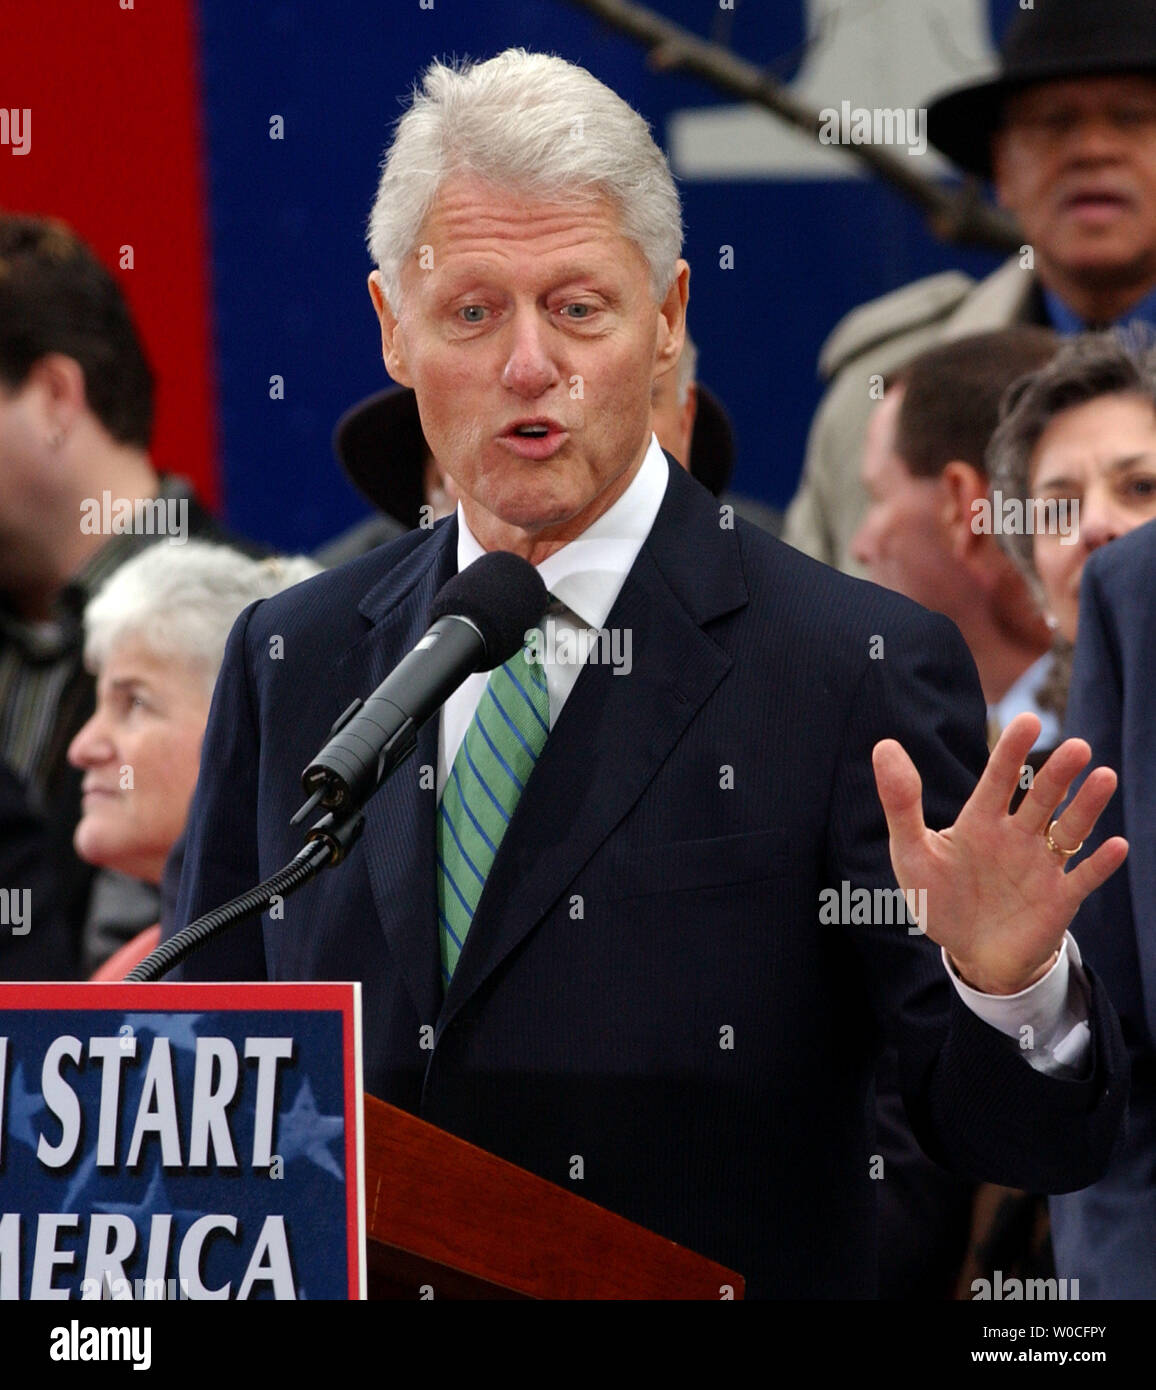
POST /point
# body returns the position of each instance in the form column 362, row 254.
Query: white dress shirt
column 1021, row 697
column 586, row 577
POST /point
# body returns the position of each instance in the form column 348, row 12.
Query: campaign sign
column 181, row 1141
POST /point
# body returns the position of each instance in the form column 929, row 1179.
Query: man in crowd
column 609, row 892
column 76, row 408
column 1067, row 134
column 924, row 475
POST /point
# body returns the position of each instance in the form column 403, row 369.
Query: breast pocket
column 686, row 865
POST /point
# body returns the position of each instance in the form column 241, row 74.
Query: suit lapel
column 1140, row 811
column 398, row 841
column 615, row 731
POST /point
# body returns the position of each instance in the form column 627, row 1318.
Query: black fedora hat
column 1052, row 41
column 712, row 442
column 380, row 444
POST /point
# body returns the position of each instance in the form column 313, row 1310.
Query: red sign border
column 173, row 997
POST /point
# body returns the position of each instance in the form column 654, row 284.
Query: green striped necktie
column 490, row 771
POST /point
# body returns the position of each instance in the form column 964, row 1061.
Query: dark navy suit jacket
column 646, row 984
column 1106, row 1236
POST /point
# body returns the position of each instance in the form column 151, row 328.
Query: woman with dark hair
column 1073, row 466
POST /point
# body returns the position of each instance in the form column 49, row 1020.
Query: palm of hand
column 999, row 900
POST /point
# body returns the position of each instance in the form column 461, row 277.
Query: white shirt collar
column 588, row 573
column 1021, row 696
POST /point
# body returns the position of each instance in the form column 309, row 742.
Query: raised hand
column 999, row 896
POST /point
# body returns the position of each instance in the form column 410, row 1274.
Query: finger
column 900, row 792
column 1050, row 785
column 1090, row 873
column 1000, row 778
column 1079, row 819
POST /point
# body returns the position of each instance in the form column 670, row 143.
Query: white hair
column 180, row 601
column 536, row 125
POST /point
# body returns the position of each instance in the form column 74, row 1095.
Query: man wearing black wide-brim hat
column 380, row 444
column 1066, row 133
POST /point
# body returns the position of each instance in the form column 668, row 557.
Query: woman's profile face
column 1100, row 457
column 140, row 753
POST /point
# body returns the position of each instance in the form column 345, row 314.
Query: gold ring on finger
column 1051, row 844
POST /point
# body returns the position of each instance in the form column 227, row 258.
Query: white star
column 79, row 1181
column 177, row 1027
column 22, row 1105
column 303, row 1133
column 155, row 1199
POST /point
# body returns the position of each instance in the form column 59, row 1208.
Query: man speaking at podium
column 628, row 923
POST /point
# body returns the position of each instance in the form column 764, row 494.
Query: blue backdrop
column 287, row 220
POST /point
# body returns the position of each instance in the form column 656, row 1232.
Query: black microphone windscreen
column 502, row 595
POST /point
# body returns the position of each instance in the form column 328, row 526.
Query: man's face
column 532, row 340
column 900, row 541
column 1103, row 455
column 26, row 485
column 1076, row 164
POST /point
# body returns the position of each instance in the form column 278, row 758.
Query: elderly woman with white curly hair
column 154, row 637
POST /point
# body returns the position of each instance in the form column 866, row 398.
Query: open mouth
column 534, row 439
column 1097, row 202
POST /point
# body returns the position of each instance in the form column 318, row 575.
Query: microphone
column 478, row 620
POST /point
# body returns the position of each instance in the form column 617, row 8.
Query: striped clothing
column 38, row 663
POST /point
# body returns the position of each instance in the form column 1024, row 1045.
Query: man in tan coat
column 1067, row 134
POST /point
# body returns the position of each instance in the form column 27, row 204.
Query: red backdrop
column 116, row 150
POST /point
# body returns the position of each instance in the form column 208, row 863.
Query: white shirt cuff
column 1049, row 1019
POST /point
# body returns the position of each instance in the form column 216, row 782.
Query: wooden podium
column 442, row 1213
